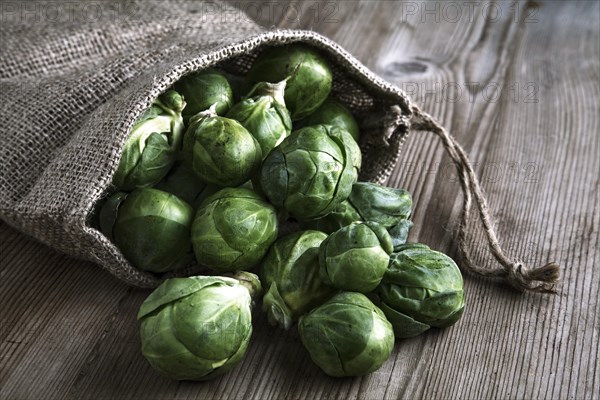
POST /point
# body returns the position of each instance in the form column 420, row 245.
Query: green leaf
column 176, row 288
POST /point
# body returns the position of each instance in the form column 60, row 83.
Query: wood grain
column 68, row 329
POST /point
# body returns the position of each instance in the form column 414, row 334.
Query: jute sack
column 71, row 92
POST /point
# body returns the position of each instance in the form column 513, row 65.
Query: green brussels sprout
column 354, row 150
column 109, row 212
column 399, row 232
column 185, row 184
column 382, row 204
column 220, row 150
column 355, row 257
column 150, row 227
column 233, row 230
column 344, row 214
column 332, row 112
column 347, row 335
column 309, row 173
column 202, row 89
column 199, row 327
column 422, row 288
column 310, row 77
column 264, row 115
column 290, row 274
column 151, row 148
column 369, row 202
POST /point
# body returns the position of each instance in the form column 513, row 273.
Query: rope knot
column 524, row 279
column 518, row 275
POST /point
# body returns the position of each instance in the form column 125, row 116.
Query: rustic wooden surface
column 68, row 329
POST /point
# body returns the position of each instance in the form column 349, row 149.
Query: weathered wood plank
column 522, row 137
column 68, row 330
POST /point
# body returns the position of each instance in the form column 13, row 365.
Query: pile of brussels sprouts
column 210, row 176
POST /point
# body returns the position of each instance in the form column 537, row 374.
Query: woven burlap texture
column 71, row 92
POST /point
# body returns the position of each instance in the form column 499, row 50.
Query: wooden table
column 519, row 87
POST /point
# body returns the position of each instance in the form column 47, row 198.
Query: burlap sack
column 72, row 86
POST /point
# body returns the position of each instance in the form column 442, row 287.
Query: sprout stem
column 250, row 281
column 274, row 90
column 211, row 112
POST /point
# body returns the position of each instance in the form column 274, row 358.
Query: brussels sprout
column 353, row 148
column 332, row 112
column 344, row 214
column 109, row 212
column 382, row 204
column 233, row 230
column 220, row 151
column 355, row 257
column 309, row 173
column 347, row 335
column 264, row 115
column 369, row 202
column 202, row 89
column 185, row 184
column 150, row 227
column 421, row 288
column 151, row 148
column 199, row 327
column 399, row 232
column 309, row 76
column 290, row 273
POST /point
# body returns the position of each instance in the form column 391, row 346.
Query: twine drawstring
column 542, row 279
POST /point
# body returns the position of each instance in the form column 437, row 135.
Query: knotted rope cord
column 541, row 279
